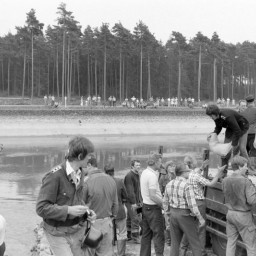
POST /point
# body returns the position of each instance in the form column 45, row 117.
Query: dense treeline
column 64, row 61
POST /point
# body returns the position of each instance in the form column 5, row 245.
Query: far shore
column 17, row 121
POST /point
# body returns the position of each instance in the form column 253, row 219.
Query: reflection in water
column 21, row 171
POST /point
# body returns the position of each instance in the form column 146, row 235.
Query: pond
column 24, row 162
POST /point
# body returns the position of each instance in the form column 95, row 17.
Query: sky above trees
column 233, row 20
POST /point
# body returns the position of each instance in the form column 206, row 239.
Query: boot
column 121, row 246
column 136, row 237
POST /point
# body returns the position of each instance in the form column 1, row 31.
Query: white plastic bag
column 221, row 149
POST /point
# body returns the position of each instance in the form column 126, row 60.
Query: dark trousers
column 240, row 147
column 152, row 228
column 181, row 222
column 201, row 204
column 249, row 146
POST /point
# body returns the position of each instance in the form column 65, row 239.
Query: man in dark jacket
column 120, row 220
column 236, row 129
column 60, row 201
column 134, row 201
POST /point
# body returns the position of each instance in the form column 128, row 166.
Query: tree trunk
column 141, row 71
column 120, row 76
column 199, row 74
column 8, row 88
column 214, row 80
column 63, row 68
column 88, row 72
column 179, row 81
column 105, row 72
column 222, row 79
column 24, row 74
column 149, row 80
column 78, row 75
column 96, row 80
column 32, row 68
column 57, row 73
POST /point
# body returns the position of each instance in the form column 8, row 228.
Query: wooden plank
column 224, row 236
column 216, row 206
column 216, row 220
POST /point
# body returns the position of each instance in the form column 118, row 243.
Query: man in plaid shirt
column 198, row 183
column 180, row 198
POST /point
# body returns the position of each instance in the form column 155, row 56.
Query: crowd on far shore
column 133, row 102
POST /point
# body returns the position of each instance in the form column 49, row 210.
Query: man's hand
column 201, row 222
column 205, row 164
column 220, row 170
column 134, row 207
column 77, row 210
column 92, row 216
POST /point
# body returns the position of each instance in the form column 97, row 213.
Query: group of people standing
column 164, row 203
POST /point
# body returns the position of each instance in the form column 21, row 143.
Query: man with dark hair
column 60, row 201
column 120, row 220
column 180, row 198
column 236, row 129
column 152, row 217
column 240, row 195
column 134, row 200
column 100, row 193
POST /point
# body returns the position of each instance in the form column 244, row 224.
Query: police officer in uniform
column 60, row 201
column 236, row 129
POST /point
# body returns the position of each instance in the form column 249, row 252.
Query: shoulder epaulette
column 56, row 168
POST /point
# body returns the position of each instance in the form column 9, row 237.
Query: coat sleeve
column 218, row 127
column 46, row 206
column 130, row 189
column 115, row 202
column 124, row 195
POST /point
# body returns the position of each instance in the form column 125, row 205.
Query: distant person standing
column 240, row 195
column 120, row 220
column 53, row 101
column 152, row 217
column 45, row 100
column 2, row 235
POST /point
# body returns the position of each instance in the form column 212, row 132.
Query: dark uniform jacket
column 56, row 194
column 236, row 125
column 132, row 184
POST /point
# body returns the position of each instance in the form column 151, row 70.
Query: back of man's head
column 190, row 161
column 78, row 148
column 180, row 169
column 153, row 159
column 238, row 161
column 92, row 161
column 109, row 169
column 212, row 109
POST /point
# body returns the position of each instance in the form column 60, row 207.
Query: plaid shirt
column 198, row 182
column 179, row 194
